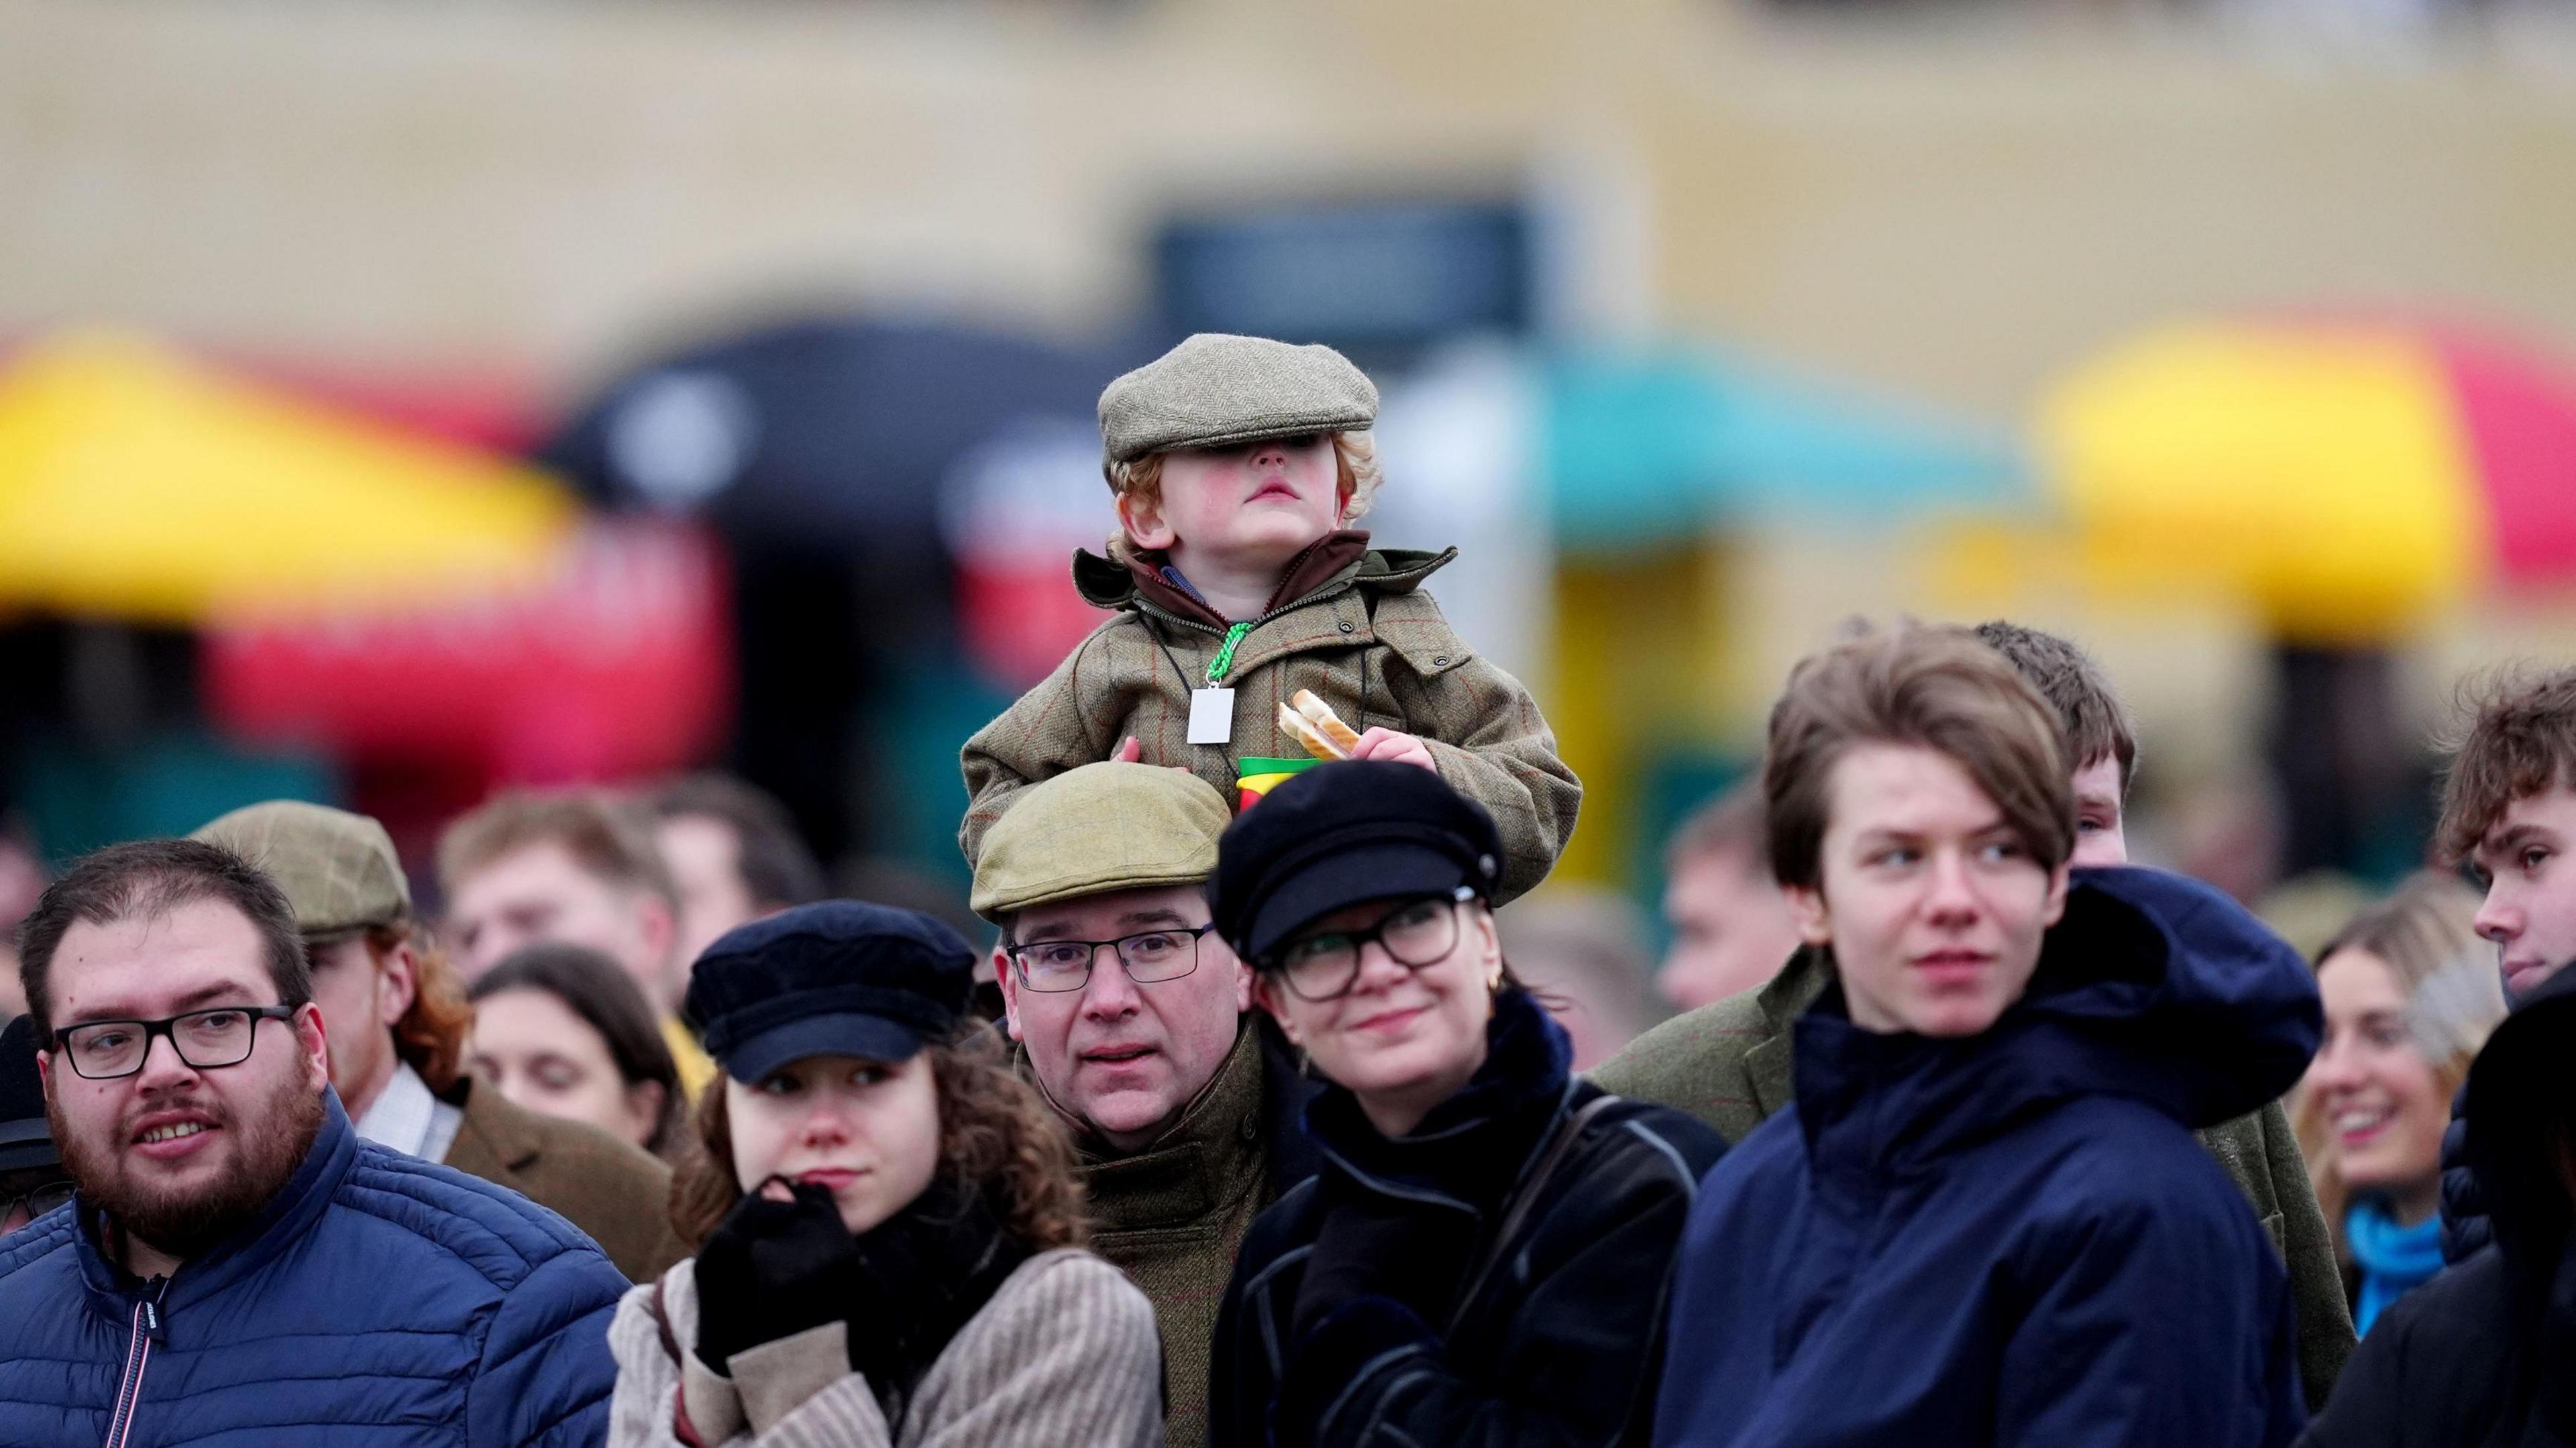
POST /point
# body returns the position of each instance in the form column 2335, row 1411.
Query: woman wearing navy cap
column 888, row 1226
column 1483, row 1259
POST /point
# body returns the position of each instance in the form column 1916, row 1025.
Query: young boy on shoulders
column 1237, row 465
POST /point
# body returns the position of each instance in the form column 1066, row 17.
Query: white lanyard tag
column 1211, row 716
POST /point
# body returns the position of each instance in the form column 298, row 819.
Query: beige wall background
column 541, row 188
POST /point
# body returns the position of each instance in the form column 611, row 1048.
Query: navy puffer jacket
column 2012, row 1238
column 2465, row 1228
column 379, row 1300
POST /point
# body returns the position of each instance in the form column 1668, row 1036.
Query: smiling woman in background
column 563, row 1031
column 2410, row 994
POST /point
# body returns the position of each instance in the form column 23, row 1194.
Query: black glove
column 771, row 1270
column 1373, row 1246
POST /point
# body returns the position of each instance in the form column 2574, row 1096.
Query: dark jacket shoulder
column 613, row 1190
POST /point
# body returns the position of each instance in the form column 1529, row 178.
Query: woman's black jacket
column 1351, row 1321
column 2484, row 1356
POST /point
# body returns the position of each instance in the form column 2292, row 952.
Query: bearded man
column 236, row 1263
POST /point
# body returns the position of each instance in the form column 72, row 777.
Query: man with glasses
column 32, row 1180
column 1131, row 1017
column 240, row 1266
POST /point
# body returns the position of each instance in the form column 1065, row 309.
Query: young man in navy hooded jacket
column 1986, row 1221
column 238, row 1267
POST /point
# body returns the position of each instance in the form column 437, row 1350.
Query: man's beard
column 185, row 1225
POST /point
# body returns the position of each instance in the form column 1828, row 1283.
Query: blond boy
column 1237, row 464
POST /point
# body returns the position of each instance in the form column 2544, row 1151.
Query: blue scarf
column 2393, row 1259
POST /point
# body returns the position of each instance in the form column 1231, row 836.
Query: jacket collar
column 288, row 1217
column 1769, row 1062
column 1209, row 1158
column 494, row 1132
column 1129, row 578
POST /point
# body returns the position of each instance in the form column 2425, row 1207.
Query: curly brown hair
column 994, row 1131
column 431, row 1036
column 2519, row 738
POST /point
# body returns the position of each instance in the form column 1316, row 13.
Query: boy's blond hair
column 1354, row 463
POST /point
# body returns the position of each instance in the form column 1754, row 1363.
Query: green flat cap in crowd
column 1218, row 388
column 338, row 869
column 1097, row 828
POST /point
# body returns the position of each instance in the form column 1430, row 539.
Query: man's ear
column 1266, row 996
column 1244, row 981
column 1807, row 907
column 45, row 1072
column 1143, row 519
column 1010, row 990
column 402, row 984
column 2054, row 909
column 657, row 929
column 308, row 1035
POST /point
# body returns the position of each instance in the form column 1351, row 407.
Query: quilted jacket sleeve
column 545, row 1375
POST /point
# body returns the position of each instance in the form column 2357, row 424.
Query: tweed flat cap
column 1101, row 827
column 338, row 869
column 1217, row 388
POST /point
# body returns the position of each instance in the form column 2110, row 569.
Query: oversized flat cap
column 1101, row 827
column 1218, row 388
column 338, row 869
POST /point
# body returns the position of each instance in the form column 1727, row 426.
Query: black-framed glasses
column 1147, row 956
column 1414, row 934
column 37, row 1201
column 205, row 1040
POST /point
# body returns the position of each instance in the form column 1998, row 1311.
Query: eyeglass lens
column 102, row 1050
column 1321, row 967
column 1064, row 965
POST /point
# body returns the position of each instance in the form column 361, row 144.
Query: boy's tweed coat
column 1348, row 622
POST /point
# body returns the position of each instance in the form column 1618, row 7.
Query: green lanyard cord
column 1224, row 659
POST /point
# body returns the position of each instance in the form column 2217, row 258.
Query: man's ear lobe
column 1807, row 907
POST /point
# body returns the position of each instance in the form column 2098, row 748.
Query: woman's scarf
column 2394, row 1260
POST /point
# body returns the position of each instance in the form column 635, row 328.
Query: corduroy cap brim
column 1217, row 388
column 338, row 869
column 1101, row 827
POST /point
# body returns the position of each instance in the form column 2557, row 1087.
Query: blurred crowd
column 1270, row 1098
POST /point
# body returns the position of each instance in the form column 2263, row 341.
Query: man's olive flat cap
column 338, row 869
column 1217, row 388
column 1101, row 827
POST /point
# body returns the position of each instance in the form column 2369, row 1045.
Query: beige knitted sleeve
column 1065, row 1353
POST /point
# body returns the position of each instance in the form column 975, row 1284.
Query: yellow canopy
column 2322, row 472
column 138, row 484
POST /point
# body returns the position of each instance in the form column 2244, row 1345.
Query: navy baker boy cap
column 839, row 978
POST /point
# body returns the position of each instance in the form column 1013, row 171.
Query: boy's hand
column 1394, row 744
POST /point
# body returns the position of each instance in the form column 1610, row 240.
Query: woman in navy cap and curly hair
column 1483, row 1259
column 887, row 1224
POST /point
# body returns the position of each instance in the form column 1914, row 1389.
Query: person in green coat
column 1729, row 1063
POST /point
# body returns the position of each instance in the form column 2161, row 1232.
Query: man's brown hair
column 2097, row 724
column 2520, row 740
column 603, row 834
column 1937, row 687
column 432, row 1034
column 148, row 879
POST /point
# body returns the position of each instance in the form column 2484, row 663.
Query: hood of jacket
column 1127, row 577
column 2518, row 1106
column 2153, row 986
